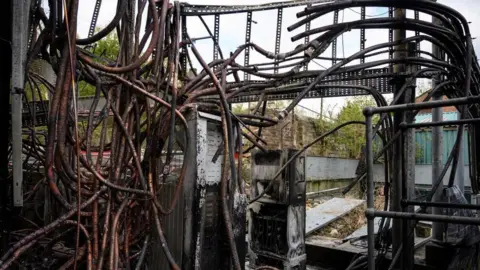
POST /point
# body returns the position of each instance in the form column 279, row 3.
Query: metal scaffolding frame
column 131, row 83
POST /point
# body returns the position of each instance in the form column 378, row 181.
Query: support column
column 20, row 29
column 396, row 189
column 5, row 73
column 437, row 155
column 460, row 173
column 408, row 172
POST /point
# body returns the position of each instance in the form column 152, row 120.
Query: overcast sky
column 232, row 32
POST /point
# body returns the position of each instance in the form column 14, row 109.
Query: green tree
column 239, row 108
column 353, row 137
column 106, row 49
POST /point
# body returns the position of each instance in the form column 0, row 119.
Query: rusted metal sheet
column 325, row 213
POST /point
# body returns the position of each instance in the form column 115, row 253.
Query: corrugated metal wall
column 423, row 140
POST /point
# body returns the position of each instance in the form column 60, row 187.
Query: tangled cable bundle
column 112, row 208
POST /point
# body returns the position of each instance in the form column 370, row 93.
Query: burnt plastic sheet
column 465, row 238
column 460, row 234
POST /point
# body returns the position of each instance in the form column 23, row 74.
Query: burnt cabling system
column 64, row 208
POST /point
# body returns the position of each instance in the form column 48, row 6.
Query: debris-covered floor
column 338, row 226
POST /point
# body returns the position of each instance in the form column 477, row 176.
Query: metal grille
column 270, row 230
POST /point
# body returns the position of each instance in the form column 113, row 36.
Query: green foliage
column 277, row 105
column 419, row 154
column 85, row 89
column 322, row 126
column 240, row 108
column 352, row 137
column 106, row 48
column 96, row 133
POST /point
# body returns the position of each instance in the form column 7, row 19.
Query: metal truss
column 380, row 83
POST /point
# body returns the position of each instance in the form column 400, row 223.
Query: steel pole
column 460, row 173
column 20, row 9
column 437, row 155
column 408, row 177
column 5, row 73
column 370, row 189
column 396, row 188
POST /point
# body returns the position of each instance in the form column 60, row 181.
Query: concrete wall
column 324, row 168
column 320, row 168
column 84, row 104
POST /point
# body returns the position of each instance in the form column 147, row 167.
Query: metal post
column 370, row 190
column 5, row 72
column 408, row 176
column 396, row 190
column 460, row 173
column 437, row 155
column 19, row 46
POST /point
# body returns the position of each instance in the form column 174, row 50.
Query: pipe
column 426, row 217
column 370, row 190
column 443, row 205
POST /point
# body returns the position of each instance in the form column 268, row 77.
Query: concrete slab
column 363, row 230
column 327, row 212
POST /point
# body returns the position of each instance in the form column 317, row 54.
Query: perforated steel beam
column 194, row 10
column 278, row 35
column 417, row 33
column 184, row 47
column 362, row 35
column 374, row 78
column 307, row 37
column 248, row 34
column 93, row 23
column 216, row 36
column 334, row 42
column 390, row 37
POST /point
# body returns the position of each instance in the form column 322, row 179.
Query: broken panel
column 276, row 227
column 195, row 232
